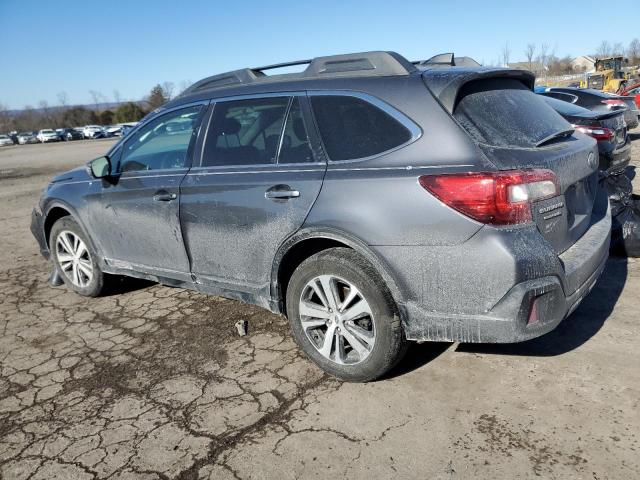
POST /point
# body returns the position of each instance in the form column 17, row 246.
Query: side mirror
column 100, row 167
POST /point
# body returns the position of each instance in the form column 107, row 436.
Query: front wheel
column 343, row 316
column 75, row 259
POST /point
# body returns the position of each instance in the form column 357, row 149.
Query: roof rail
column 365, row 64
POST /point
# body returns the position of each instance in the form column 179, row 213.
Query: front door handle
column 281, row 192
column 164, row 196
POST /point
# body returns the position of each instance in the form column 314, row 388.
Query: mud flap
column 55, row 279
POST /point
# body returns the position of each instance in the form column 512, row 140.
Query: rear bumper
column 474, row 297
column 616, row 160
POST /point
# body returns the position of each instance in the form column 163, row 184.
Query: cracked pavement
column 153, row 382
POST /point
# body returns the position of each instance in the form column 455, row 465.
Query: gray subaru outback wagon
column 369, row 199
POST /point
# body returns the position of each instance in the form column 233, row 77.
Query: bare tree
column 168, row 88
column 62, row 99
column 95, row 95
column 617, row 49
column 543, row 54
column 184, row 84
column 633, row 52
column 45, row 111
column 505, row 54
column 530, row 52
column 604, row 49
column 5, row 118
column 117, row 98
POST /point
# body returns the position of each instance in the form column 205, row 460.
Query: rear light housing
column 613, row 102
column 497, row 198
column 599, row 133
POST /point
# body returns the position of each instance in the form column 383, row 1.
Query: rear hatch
column 516, row 129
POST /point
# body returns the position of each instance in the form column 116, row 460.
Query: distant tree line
column 542, row 59
column 63, row 115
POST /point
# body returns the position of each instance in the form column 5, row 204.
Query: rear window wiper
column 554, row 136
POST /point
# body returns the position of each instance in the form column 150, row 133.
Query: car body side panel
column 231, row 231
column 136, row 231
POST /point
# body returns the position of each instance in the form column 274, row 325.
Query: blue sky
column 77, row 46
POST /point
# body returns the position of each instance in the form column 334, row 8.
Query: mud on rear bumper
column 509, row 320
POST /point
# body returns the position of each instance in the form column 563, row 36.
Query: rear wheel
column 75, row 259
column 343, row 317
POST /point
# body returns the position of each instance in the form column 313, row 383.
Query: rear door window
column 503, row 112
column 353, row 128
column 245, row 132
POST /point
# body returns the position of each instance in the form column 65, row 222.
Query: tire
column 61, row 242
column 345, row 272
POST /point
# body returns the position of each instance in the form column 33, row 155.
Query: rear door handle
column 281, row 192
column 164, row 196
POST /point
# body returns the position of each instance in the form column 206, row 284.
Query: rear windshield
column 503, row 112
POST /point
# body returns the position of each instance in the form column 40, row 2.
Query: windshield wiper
column 554, row 136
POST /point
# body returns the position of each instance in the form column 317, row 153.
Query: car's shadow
column 574, row 331
column 120, row 285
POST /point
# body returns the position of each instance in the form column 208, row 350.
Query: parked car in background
column 27, row 137
column 47, row 135
column 597, row 101
column 608, row 128
column 369, row 200
column 5, row 141
column 13, row 136
column 68, row 134
column 113, row 131
column 93, row 131
column 126, row 128
column 632, row 90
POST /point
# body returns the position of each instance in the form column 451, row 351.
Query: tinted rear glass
column 503, row 112
column 354, row 128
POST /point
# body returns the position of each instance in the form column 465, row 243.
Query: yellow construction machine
column 609, row 75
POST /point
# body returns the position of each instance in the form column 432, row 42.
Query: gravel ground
column 153, row 382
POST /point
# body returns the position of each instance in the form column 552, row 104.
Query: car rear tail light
column 614, row 102
column 498, row 198
column 599, row 133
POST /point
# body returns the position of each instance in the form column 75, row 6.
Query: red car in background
column 632, row 90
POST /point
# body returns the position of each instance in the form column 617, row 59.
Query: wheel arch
column 308, row 242
column 58, row 209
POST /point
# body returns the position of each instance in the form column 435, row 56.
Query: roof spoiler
column 447, row 60
column 445, row 84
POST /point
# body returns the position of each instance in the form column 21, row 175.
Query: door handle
column 164, row 196
column 281, row 192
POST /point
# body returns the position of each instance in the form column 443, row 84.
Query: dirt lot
column 154, row 382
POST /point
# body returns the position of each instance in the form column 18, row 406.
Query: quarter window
column 162, row 143
column 352, row 128
column 245, row 132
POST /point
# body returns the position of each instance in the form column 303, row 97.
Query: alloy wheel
column 337, row 319
column 74, row 259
